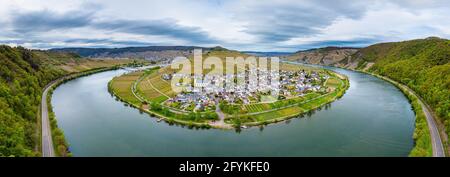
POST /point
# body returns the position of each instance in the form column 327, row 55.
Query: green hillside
column 423, row 65
column 22, row 76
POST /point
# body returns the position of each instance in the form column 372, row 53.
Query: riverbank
column 128, row 89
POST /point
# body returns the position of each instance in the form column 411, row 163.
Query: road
column 47, row 142
column 438, row 148
column 436, row 142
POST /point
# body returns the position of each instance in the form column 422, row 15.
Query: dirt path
column 221, row 122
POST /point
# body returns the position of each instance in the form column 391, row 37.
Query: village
column 204, row 92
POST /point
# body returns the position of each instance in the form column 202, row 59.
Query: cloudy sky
column 257, row 25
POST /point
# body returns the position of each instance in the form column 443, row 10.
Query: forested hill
column 423, row 65
column 23, row 75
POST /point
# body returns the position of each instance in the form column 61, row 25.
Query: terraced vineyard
column 257, row 107
column 153, row 88
column 121, row 86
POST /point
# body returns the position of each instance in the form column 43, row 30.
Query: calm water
column 372, row 119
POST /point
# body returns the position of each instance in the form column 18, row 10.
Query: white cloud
column 285, row 25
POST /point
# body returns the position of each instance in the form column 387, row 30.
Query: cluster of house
column 243, row 88
column 199, row 101
column 296, row 83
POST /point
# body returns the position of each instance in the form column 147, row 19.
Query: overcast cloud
column 282, row 25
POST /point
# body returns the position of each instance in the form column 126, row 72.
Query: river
column 373, row 118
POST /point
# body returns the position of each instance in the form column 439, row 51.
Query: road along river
column 373, row 118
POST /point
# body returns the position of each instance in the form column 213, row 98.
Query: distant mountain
column 267, row 54
column 149, row 52
column 332, row 56
column 327, row 49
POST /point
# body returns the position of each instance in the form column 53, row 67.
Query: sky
column 246, row 25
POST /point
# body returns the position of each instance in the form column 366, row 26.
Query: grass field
column 332, row 82
column 291, row 111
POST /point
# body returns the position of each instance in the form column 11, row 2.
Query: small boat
column 244, row 127
column 159, row 120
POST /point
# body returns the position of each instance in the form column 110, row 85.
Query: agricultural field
column 121, row 86
column 282, row 113
column 333, row 82
column 153, row 88
column 250, row 108
column 293, row 67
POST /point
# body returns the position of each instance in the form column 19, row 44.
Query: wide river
column 373, row 118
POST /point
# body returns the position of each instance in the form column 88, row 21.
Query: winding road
column 438, row 148
column 47, row 142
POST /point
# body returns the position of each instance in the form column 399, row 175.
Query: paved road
column 47, row 142
column 436, row 142
column 438, row 148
